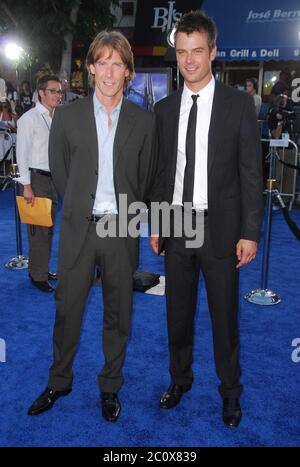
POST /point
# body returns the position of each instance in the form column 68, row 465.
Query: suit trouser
column 40, row 238
column 116, row 267
column 183, row 266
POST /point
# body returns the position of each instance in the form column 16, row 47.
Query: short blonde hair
column 113, row 40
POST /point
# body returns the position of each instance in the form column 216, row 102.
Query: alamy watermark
column 296, row 92
column 2, row 351
column 164, row 219
column 296, row 352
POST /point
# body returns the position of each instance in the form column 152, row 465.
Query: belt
column 40, row 171
column 97, row 217
column 198, row 211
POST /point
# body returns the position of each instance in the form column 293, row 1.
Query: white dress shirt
column 105, row 198
column 204, row 104
column 32, row 141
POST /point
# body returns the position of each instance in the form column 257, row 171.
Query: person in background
column 67, row 95
column 25, row 98
column 33, row 162
column 2, row 88
column 282, row 86
column 251, row 88
column 7, row 115
column 12, row 95
column 281, row 115
column 8, row 120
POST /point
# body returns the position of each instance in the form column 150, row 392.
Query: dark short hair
column 113, row 40
column 197, row 21
column 25, row 82
column 254, row 82
column 43, row 82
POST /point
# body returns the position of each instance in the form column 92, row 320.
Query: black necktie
column 190, row 149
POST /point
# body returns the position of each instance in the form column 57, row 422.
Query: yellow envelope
column 38, row 214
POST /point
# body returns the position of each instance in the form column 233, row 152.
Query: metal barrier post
column 265, row 296
column 20, row 261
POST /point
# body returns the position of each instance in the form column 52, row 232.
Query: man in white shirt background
column 33, row 162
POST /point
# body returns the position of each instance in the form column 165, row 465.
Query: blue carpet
column 270, row 401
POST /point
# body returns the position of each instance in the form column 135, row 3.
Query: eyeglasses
column 54, row 91
column 4, row 106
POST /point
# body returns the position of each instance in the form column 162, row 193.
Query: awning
column 256, row 29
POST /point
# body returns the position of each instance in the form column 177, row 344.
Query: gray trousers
column 40, row 238
column 114, row 256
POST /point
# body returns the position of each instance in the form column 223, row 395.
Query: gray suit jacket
column 73, row 159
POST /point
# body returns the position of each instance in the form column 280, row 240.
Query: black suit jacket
column 73, row 159
column 234, row 165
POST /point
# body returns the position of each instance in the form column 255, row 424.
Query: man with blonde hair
column 101, row 147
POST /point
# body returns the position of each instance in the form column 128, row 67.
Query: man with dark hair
column 283, row 85
column 35, row 176
column 210, row 160
column 101, row 147
column 25, row 98
column 251, row 89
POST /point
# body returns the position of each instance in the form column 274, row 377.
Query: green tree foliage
column 45, row 26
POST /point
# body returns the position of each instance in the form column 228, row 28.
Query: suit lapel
column 219, row 115
column 173, row 122
column 89, row 128
column 125, row 126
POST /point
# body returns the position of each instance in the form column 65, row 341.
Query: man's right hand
column 154, row 242
column 28, row 194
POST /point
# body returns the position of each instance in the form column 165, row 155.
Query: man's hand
column 154, row 242
column 245, row 251
column 28, row 194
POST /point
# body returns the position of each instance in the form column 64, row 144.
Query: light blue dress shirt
column 105, row 199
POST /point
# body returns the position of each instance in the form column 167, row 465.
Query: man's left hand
column 245, row 251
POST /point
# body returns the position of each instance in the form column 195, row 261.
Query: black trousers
column 114, row 256
column 183, row 266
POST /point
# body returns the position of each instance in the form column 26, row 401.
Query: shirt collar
column 98, row 106
column 204, row 95
column 42, row 109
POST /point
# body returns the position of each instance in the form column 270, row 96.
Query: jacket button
column 96, row 172
column 92, row 196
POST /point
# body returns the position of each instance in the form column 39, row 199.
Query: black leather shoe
column 46, row 400
column 52, row 276
column 172, row 396
column 111, row 406
column 232, row 413
column 44, row 286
